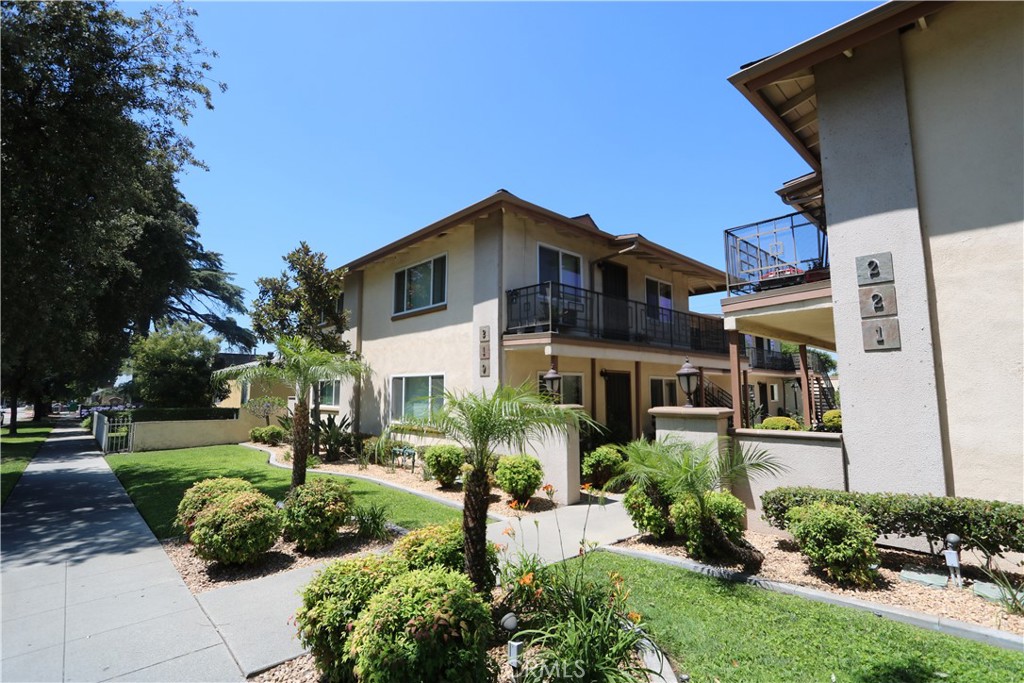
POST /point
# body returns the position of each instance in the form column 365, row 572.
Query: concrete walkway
column 88, row 593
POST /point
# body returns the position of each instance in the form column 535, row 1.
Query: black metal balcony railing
column 765, row 359
column 568, row 310
column 779, row 252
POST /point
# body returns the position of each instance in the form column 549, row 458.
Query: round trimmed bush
column 836, row 539
column 685, row 517
column 203, row 493
column 314, row 511
column 237, row 528
column 833, row 420
column 427, row 625
column 445, row 463
column 648, row 508
column 519, row 476
column 440, row 546
column 332, row 602
column 783, row 423
column 602, row 464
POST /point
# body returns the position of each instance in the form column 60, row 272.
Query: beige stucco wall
column 890, row 402
column 234, row 399
column 161, row 436
column 964, row 76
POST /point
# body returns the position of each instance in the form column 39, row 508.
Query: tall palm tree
column 507, row 418
column 669, row 470
column 303, row 366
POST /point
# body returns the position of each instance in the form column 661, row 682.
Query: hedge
column 176, row 414
column 987, row 525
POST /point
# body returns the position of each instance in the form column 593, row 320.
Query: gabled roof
column 704, row 278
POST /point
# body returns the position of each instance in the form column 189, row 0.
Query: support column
column 805, row 386
column 734, row 378
column 745, row 391
column 703, row 389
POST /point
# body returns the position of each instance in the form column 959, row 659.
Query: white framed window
column 422, row 285
column 416, row 396
column 572, row 387
column 330, row 393
column 663, row 392
column 773, row 392
column 659, row 300
column 557, row 265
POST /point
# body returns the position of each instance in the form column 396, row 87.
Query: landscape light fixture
column 553, row 382
column 951, row 553
column 510, row 623
column 687, row 376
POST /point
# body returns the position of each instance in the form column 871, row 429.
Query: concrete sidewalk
column 88, row 593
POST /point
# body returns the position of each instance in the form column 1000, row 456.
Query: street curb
column 272, row 461
column 961, row 629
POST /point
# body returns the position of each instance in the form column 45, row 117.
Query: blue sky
column 350, row 125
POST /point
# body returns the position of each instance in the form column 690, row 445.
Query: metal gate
column 120, row 434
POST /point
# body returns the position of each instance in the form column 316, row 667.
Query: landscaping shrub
column 648, row 508
column 428, row 625
column 203, row 493
column 783, row 423
column 272, row 435
column 440, row 546
column 685, row 518
column 445, row 463
column 237, row 528
column 519, row 476
column 995, row 526
column 314, row 511
column 837, row 539
column 372, row 522
column 332, row 602
column 832, row 420
column 602, row 464
column 87, row 423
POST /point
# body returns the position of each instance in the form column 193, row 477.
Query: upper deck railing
column 576, row 312
column 778, row 252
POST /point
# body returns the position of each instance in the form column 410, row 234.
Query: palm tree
column 303, row 366
column 508, row 418
column 669, row 470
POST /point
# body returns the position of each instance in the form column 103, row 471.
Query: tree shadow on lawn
column 897, row 671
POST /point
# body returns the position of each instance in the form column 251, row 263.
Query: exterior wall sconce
column 687, row 376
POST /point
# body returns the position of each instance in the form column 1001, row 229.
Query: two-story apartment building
column 503, row 290
column 905, row 251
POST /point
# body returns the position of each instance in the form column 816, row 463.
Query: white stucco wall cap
column 673, row 411
column 782, row 434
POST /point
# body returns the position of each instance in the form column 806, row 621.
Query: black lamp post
column 553, row 382
column 687, row 376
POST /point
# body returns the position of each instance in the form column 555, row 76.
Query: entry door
column 618, row 407
column 615, row 288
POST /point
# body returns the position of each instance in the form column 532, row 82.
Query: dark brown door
column 615, row 288
column 618, row 407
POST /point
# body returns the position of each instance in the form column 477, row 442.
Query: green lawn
column 156, row 481
column 721, row 631
column 16, row 452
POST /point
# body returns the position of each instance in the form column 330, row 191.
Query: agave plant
column 670, row 470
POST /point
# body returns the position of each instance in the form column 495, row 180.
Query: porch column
column 735, row 379
column 805, row 384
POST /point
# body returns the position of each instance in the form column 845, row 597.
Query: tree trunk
column 13, row 427
column 474, row 527
column 718, row 546
column 316, row 422
column 40, row 409
column 300, row 442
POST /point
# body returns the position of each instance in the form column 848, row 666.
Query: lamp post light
column 510, row 623
column 687, row 376
column 553, row 382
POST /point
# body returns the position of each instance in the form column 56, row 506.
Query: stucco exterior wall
column 162, row 436
column 890, row 402
column 963, row 77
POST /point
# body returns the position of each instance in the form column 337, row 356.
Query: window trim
column 774, row 393
column 664, row 380
column 671, row 289
column 404, row 376
column 560, row 250
column 581, row 375
column 337, row 392
column 440, row 305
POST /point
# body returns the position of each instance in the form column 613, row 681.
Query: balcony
column 779, row 252
column 765, row 359
column 575, row 312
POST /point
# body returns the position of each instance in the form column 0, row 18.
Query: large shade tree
column 482, row 423
column 173, row 367
column 303, row 366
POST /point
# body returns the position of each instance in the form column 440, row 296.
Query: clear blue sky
column 350, row 125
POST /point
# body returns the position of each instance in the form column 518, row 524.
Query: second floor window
column 659, row 300
column 422, row 285
column 560, row 266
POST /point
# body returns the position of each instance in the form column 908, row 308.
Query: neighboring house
column 241, row 392
column 905, row 251
column 504, row 290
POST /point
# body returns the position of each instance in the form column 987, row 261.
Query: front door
column 615, row 288
column 618, row 407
